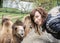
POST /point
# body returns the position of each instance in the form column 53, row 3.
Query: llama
column 18, row 31
column 6, row 32
column 28, row 24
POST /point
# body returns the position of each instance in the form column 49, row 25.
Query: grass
column 10, row 10
column 13, row 16
column 13, row 13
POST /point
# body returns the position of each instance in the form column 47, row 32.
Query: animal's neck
column 7, row 29
column 17, row 39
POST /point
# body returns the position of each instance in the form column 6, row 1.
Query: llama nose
column 21, row 30
column 22, row 34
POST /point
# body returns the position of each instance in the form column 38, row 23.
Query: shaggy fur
column 28, row 24
column 6, row 32
column 17, row 37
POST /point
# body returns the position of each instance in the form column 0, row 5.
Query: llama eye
column 31, row 27
column 15, row 28
column 24, row 27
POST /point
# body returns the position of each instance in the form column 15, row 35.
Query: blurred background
column 20, row 8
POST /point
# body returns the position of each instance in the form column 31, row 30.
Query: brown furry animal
column 6, row 32
column 28, row 24
column 18, row 31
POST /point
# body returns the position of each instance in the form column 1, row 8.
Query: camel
column 18, row 31
column 6, row 31
column 28, row 24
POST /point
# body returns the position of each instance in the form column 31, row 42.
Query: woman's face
column 37, row 18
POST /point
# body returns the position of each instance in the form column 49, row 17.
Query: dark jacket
column 52, row 25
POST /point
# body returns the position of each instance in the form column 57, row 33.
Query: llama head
column 28, row 24
column 6, row 21
column 18, row 28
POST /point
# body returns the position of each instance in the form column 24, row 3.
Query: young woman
column 49, row 22
column 38, row 17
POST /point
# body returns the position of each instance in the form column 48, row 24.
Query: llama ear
column 2, row 16
column 18, row 19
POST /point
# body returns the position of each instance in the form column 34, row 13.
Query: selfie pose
column 47, row 22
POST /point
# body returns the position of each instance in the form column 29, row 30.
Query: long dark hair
column 43, row 14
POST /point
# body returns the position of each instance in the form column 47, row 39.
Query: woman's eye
column 37, row 16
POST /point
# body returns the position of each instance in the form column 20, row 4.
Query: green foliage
column 47, row 4
column 58, row 2
column 13, row 10
column 10, row 10
column 1, row 2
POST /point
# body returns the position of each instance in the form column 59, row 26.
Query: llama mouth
column 22, row 35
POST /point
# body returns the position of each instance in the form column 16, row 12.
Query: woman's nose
column 35, row 19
